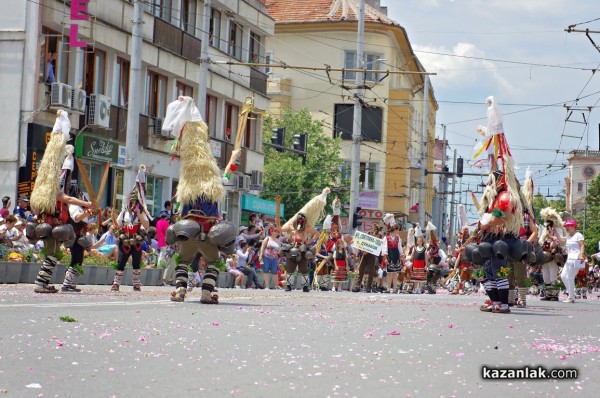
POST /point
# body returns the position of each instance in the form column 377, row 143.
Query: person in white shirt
column 575, row 258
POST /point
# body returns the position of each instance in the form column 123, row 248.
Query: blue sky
column 520, row 31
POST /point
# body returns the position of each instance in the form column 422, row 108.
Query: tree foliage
column 284, row 173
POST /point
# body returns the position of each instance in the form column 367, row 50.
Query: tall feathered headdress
column 549, row 214
column 47, row 182
column 462, row 216
column 314, row 210
column 527, row 192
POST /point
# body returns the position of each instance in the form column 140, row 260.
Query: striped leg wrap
column 304, row 280
column 512, row 296
column 43, row 277
column 323, row 281
column 210, row 279
column 70, row 277
column 135, row 278
column 191, row 282
column 522, row 296
column 289, row 280
column 181, row 275
column 503, row 286
column 118, row 278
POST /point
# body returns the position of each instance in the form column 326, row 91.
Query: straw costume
column 300, row 226
column 551, row 252
column 200, row 228
column 50, row 202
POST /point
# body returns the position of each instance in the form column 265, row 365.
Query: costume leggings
column 47, row 267
column 366, row 265
column 77, row 252
column 550, row 272
column 135, row 252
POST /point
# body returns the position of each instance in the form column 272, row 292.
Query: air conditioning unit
column 99, row 111
column 257, row 178
column 60, row 95
column 243, row 183
column 157, row 126
column 78, row 100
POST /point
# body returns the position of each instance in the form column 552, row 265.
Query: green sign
column 258, row 205
column 96, row 148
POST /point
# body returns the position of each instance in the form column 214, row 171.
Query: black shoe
column 137, row 288
column 70, row 289
column 356, row 290
column 324, row 289
column 305, row 289
column 288, row 288
column 368, row 291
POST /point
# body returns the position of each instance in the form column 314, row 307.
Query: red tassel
column 233, row 167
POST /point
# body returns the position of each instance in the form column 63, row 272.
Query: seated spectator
column 231, row 264
column 5, row 210
column 107, row 244
column 244, row 255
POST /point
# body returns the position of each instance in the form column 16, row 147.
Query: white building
column 93, row 81
column 583, row 168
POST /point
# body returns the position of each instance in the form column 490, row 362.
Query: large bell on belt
column 170, row 238
column 501, row 249
column 295, row 254
column 539, row 255
column 486, row 250
column 85, row 241
column 63, row 232
column 518, row 250
column 43, row 231
column 477, row 257
column 469, row 252
column 223, row 235
column 309, row 255
column 30, row 231
column 186, row 229
column 531, row 257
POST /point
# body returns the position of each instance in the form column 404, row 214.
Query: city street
column 269, row 343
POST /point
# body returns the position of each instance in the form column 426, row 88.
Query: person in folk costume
column 405, row 271
column 394, row 257
column 517, row 274
column 201, row 227
column 341, row 262
column 300, row 227
column 433, row 258
column 550, row 242
column 336, row 207
column 323, row 248
column 417, row 258
column 462, row 266
column 50, row 203
column 501, row 214
column 133, row 216
column 367, row 263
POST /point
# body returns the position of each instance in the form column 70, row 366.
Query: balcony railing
column 175, row 40
column 258, row 81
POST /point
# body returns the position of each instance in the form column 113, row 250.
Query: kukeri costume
column 549, row 254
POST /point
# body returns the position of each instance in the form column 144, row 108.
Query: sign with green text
column 96, row 148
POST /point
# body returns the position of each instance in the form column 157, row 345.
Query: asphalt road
column 269, row 343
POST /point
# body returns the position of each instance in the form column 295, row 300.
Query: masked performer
column 367, row 264
column 551, row 254
column 300, row 227
column 201, row 228
column 433, row 258
column 133, row 216
column 50, row 203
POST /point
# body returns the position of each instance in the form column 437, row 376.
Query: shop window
column 367, row 176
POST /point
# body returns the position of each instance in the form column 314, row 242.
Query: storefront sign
column 96, row 148
column 79, row 9
column 368, row 200
column 258, row 205
column 28, row 173
column 367, row 243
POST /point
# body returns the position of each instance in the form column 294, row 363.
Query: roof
column 306, row 11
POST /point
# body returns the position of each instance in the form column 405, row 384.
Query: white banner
column 367, row 243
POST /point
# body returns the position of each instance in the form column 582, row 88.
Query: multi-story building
column 323, row 33
column 92, row 83
column 583, row 168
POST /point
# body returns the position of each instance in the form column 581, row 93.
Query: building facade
column 324, row 33
column 583, row 167
column 56, row 57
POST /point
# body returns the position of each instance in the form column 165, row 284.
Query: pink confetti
column 142, row 338
column 215, row 323
column 59, row 343
column 104, row 335
column 368, row 334
column 563, row 357
column 459, row 354
column 451, row 325
column 394, row 333
column 510, row 326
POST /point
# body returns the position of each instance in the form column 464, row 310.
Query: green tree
column 284, row 173
column 539, row 202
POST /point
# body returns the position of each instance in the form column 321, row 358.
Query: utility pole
column 423, row 152
column 204, row 60
column 442, row 184
column 134, row 98
column 357, row 126
column 452, row 207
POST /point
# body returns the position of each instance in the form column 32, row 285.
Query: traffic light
column 356, row 218
column 459, row 167
column 300, row 145
column 278, row 139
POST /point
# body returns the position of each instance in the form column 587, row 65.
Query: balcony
column 175, row 40
column 258, row 81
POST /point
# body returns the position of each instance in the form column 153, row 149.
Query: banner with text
column 367, row 243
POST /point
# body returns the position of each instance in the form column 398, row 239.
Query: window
column 188, row 16
column 235, row 39
column 231, row 121
column 367, row 175
column 154, row 187
column 93, row 74
column 249, row 133
column 184, row 90
column 580, row 187
column 269, row 60
column 156, row 94
column 225, row 205
column 53, row 58
column 159, row 8
column 254, row 55
column 371, row 62
column 215, row 29
column 122, row 82
column 211, row 115
column 372, row 122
